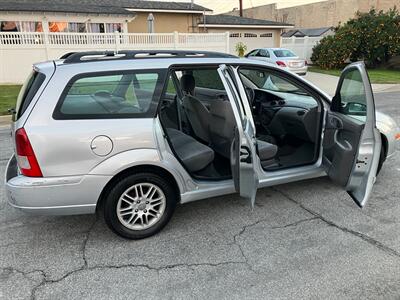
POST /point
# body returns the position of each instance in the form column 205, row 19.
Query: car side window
column 264, row 53
column 352, row 96
column 208, row 78
column 253, row 53
column 124, row 94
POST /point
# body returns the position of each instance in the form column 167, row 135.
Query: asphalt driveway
column 303, row 240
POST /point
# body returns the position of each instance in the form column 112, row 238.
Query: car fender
column 137, row 157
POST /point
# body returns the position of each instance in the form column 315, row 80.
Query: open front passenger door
column 243, row 150
column 352, row 143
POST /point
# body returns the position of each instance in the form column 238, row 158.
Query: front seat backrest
column 222, row 126
column 197, row 114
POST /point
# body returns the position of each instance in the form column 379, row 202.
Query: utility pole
column 241, row 8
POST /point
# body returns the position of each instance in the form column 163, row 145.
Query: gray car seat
column 197, row 114
column 222, row 132
column 194, row 155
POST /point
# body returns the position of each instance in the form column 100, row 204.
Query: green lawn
column 376, row 75
column 8, row 97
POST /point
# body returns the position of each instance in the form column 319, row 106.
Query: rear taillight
column 305, row 63
column 26, row 158
column 280, row 63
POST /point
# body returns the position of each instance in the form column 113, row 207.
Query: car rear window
column 284, row 53
column 27, row 92
column 132, row 94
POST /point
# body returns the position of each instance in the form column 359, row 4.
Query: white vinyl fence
column 19, row 50
column 301, row 46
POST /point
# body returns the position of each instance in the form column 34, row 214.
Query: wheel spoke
column 131, row 218
column 152, row 212
column 125, row 209
column 145, row 219
column 150, row 194
column 156, row 200
column 141, row 190
column 126, row 213
column 128, row 199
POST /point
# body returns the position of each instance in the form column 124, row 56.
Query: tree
column 373, row 37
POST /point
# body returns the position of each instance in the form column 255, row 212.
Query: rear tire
column 139, row 205
column 382, row 159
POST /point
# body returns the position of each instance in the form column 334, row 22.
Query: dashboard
column 283, row 113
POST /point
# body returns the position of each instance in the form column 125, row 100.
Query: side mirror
column 354, row 108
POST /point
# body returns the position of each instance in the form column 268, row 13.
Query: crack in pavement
column 85, row 267
column 45, row 280
column 358, row 234
column 23, row 273
column 316, row 216
column 245, row 227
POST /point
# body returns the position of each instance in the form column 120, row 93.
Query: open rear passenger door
column 352, row 143
column 243, row 151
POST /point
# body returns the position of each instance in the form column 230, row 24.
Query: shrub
column 373, row 37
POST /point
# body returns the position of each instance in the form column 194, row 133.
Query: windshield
column 265, row 81
column 284, row 53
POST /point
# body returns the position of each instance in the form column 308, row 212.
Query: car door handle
column 335, row 122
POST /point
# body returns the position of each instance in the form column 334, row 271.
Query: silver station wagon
column 134, row 133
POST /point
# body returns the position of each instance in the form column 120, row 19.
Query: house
column 310, row 32
column 323, row 13
column 253, row 33
column 103, row 16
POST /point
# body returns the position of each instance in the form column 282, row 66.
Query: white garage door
column 251, row 40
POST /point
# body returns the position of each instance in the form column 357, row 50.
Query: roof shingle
column 100, row 6
column 223, row 19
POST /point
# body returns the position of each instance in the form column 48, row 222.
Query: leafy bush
column 373, row 37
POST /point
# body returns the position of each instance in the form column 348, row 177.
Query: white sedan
column 280, row 57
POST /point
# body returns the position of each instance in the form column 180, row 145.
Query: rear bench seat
column 194, row 155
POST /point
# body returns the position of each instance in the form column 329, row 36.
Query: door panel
column 352, row 143
column 243, row 151
column 342, row 136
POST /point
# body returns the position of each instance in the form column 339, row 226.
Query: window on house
column 250, row 35
column 58, row 26
column 266, row 34
column 113, row 27
column 20, row 26
column 235, row 35
column 76, row 27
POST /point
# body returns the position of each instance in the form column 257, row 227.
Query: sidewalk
column 328, row 83
column 5, row 120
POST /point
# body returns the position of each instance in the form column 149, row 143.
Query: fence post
column 176, row 39
column 227, row 45
column 117, row 41
column 46, row 44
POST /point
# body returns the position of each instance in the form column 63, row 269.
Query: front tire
column 382, row 159
column 139, row 205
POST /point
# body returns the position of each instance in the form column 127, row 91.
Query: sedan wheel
column 140, row 205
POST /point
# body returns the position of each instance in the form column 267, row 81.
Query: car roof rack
column 90, row 56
